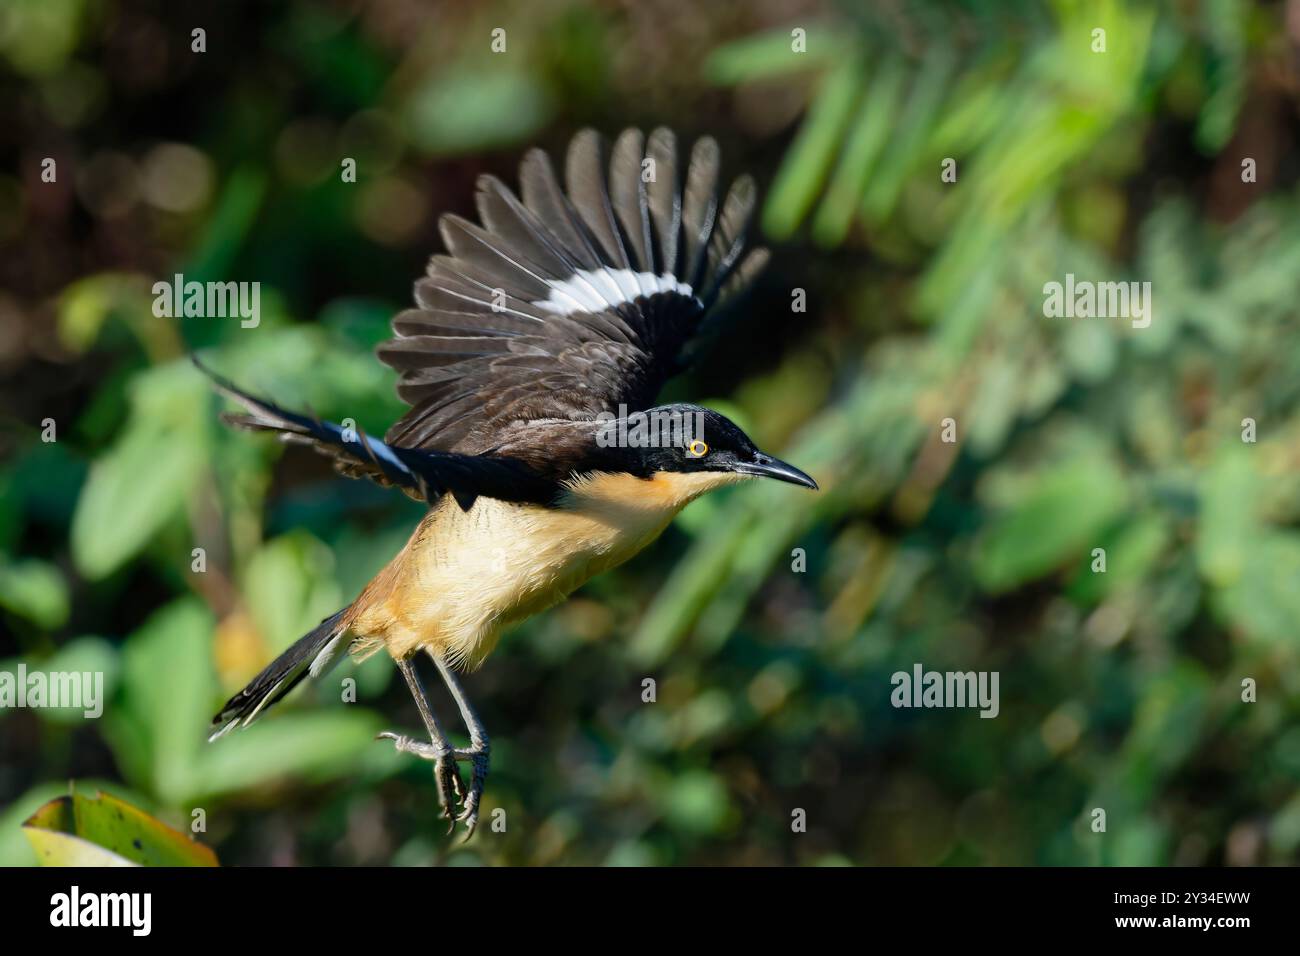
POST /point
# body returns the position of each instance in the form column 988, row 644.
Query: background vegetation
column 924, row 301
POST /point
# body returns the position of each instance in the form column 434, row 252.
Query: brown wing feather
column 565, row 306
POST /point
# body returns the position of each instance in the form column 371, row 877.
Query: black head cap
column 690, row 438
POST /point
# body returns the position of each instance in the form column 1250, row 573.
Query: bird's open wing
column 424, row 474
column 565, row 305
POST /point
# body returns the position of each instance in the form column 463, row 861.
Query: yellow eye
column 697, row 449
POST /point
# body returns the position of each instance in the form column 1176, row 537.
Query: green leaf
column 1166, row 728
column 228, row 227
column 15, row 847
column 1263, row 601
column 1065, row 513
column 35, row 591
column 1131, row 552
column 806, row 166
column 142, row 482
column 105, row 831
column 908, row 134
column 289, row 588
column 466, row 110
column 770, row 55
column 866, row 141
column 168, row 695
column 1229, row 525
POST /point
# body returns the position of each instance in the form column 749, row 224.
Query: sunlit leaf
column 105, row 831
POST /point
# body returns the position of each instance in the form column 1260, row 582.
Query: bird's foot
column 451, row 788
column 478, row 758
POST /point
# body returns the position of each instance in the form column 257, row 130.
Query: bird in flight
column 531, row 362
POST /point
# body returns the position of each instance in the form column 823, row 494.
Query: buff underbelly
column 464, row 576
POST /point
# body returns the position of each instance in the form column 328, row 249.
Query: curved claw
column 470, row 818
column 457, row 784
column 450, row 786
column 452, row 792
column 478, row 780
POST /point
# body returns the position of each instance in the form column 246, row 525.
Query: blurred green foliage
column 1120, row 690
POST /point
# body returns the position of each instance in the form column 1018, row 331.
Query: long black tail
column 311, row 655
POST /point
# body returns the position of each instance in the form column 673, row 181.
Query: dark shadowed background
column 923, row 301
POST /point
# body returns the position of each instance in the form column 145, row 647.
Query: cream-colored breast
column 465, row 575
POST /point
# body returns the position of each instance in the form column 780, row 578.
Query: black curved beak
column 765, row 466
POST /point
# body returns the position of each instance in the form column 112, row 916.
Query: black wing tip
column 233, row 713
column 220, row 382
column 236, row 706
column 226, row 387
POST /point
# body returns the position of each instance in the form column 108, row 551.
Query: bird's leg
column 451, row 789
column 478, row 751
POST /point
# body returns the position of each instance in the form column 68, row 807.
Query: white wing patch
column 594, row 290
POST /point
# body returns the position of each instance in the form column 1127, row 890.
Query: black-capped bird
column 538, row 345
